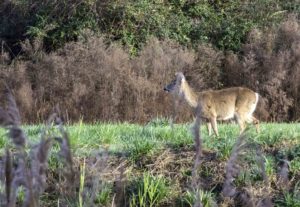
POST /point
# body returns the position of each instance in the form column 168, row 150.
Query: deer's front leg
column 208, row 125
column 213, row 122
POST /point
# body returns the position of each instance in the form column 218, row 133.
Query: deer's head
column 175, row 86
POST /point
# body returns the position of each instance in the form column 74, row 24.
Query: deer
column 235, row 102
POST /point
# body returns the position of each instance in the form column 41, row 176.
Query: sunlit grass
column 124, row 137
column 138, row 142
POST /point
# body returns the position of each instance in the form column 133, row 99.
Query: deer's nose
column 166, row 89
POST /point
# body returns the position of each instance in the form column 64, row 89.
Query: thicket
column 72, row 53
column 94, row 81
column 270, row 64
column 132, row 22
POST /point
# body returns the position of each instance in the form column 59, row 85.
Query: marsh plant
column 24, row 169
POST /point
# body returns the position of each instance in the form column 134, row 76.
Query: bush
column 225, row 24
column 270, row 65
column 54, row 22
column 94, row 80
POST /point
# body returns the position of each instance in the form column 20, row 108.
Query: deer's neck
column 189, row 95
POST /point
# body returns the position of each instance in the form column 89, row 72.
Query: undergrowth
column 153, row 160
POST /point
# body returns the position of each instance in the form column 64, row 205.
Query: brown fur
column 236, row 102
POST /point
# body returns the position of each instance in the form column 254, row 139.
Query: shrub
column 95, row 80
column 225, row 24
column 268, row 59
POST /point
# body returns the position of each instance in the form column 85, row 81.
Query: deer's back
column 226, row 102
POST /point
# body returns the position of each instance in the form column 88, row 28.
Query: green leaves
column 65, row 21
column 225, row 24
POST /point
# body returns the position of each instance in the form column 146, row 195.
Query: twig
column 198, row 148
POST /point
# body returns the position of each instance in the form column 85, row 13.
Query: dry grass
column 27, row 171
column 97, row 81
column 269, row 59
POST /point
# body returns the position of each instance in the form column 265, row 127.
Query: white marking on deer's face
column 175, row 87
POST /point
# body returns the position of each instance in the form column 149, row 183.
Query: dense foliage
column 109, row 60
column 222, row 23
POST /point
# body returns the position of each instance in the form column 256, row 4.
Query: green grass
column 160, row 159
column 206, row 198
column 85, row 139
column 148, row 190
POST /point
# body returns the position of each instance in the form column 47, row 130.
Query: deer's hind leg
column 241, row 122
column 255, row 122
